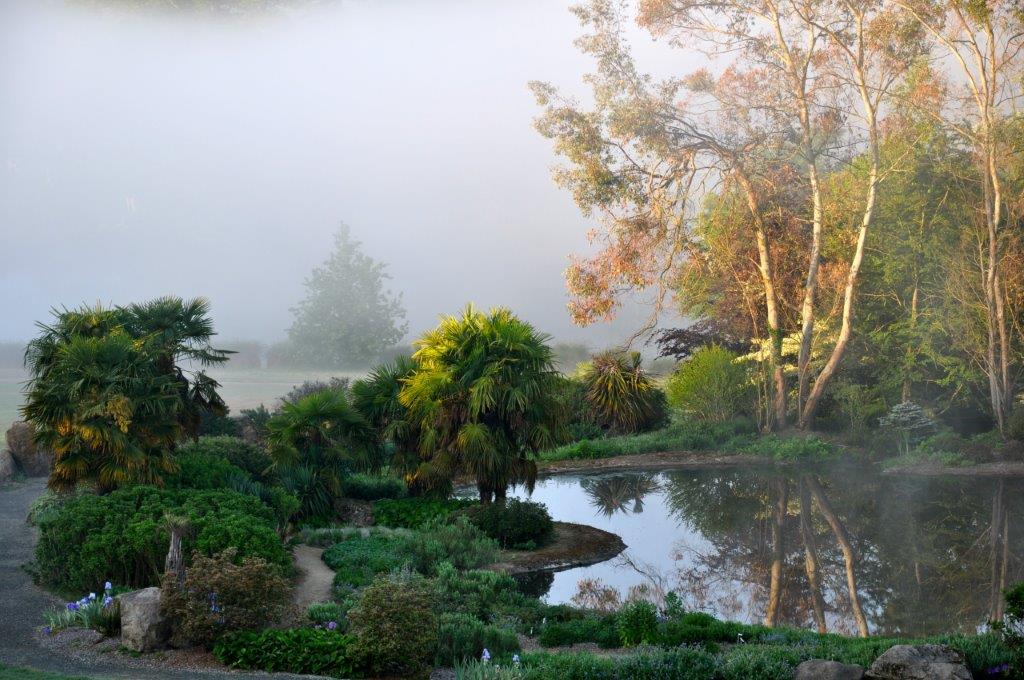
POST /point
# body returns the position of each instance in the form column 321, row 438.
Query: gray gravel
column 22, row 604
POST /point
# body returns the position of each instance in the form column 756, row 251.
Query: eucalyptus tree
column 484, row 397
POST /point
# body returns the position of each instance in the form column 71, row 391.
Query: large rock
column 143, row 626
column 33, row 460
column 919, row 662
column 6, row 466
column 819, row 669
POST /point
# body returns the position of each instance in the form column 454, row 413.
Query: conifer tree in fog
column 348, row 316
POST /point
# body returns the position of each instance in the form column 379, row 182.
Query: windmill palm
column 483, row 397
column 106, row 413
column 314, row 442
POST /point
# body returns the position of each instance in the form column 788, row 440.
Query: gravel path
column 22, row 604
column 316, row 577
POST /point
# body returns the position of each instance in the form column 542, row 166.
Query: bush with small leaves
column 413, row 513
column 365, row 487
column 462, row 637
column 394, row 627
column 459, row 543
column 712, row 385
column 514, row 523
column 357, row 559
column 219, row 596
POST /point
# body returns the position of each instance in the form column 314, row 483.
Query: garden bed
column 574, row 545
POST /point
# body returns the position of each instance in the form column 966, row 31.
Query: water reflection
column 843, row 551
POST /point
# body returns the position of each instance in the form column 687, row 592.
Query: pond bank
column 656, row 461
column 996, row 469
column 574, row 545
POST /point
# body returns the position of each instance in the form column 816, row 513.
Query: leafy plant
column 909, row 423
column 372, row 487
column 514, row 523
column 621, row 395
column 326, row 613
column 100, row 613
column 357, row 559
column 394, row 626
column 296, row 650
column 462, row 637
column 458, row 543
column 219, row 596
column 711, row 385
column 638, row 623
column 417, row 511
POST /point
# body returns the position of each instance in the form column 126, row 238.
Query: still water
column 843, row 550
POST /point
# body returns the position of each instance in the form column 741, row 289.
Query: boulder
column 6, row 466
column 143, row 626
column 819, row 669
column 33, row 460
column 919, row 662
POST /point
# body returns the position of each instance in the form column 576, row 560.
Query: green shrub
column 297, row 650
column 602, row 630
column 219, row 597
column 372, row 487
column 687, row 435
column 394, row 627
column 482, row 594
column 765, row 662
column 48, row 505
column 514, row 523
column 462, row 637
column 712, row 385
column 323, row 613
column 459, row 543
column 198, row 470
column 698, row 627
column 240, row 453
column 358, row 559
column 622, row 397
column 676, row 664
column 790, row 448
column 122, row 536
column 638, row 623
column 413, row 513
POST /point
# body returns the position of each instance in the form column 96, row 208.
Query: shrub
column 394, row 627
column 909, row 423
column 687, row 435
column 638, row 623
column 1014, row 619
column 712, row 386
column 324, row 613
column 240, row 453
column 372, row 487
column 482, row 594
column 334, row 384
column 602, row 630
column 298, row 650
column 514, row 522
column 459, row 543
column 790, row 448
column 765, row 662
column 358, row 559
column 698, row 627
column 219, row 596
column 199, row 470
column 122, row 536
column 413, row 513
column 677, row 664
column 622, row 397
column 462, row 637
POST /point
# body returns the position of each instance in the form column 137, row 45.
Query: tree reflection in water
column 843, row 551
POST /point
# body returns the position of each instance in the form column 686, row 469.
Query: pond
column 919, row 555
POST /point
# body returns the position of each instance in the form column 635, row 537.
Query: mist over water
column 143, row 155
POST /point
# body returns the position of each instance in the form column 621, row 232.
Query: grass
column 924, row 457
column 680, row 436
column 12, row 673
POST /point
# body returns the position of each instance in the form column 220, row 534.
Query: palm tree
column 106, row 413
column 484, row 399
column 377, row 399
column 314, row 442
column 623, row 397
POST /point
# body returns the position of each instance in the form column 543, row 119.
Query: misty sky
column 144, row 155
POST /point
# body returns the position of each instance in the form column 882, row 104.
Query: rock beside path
column 820, row 669
column 919, row 662
column 33, row 460
column 143, row 626
column 6, row 466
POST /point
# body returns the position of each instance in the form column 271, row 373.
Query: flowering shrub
column 298, row 650
column 219, row 597
column 102, row 614
column 394, row 627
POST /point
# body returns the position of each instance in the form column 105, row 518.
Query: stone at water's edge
column 143, row 626
column 34, row 461
column 6, row 466
column 919, row 662
column 819, row 669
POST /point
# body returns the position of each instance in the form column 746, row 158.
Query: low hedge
column 296, row 650
column 121, row 537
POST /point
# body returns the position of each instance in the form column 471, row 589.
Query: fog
column 186, row 154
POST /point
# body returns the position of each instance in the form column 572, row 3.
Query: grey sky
column 142, row 156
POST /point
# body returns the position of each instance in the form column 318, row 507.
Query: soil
column 315, row 577
column 657, row 461
column 574, row 545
